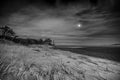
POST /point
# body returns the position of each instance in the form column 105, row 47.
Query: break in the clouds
column 63, row 26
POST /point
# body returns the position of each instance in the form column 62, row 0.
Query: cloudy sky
column 33, row 19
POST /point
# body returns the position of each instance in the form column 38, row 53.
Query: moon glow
column 79, row 25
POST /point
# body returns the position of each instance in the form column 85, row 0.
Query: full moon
column 79, row 25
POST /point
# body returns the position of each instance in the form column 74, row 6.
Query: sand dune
column 42, row 63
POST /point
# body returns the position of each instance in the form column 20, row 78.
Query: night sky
column 46, row 18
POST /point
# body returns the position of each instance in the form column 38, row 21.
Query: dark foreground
column 110, row 53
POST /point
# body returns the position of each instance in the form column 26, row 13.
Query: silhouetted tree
column 40, row 41
column 48, row 41
column 6, row 31
column 32, row 41
column 9, row 34
column 14, row 37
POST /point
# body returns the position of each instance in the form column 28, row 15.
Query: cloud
column 56, row 24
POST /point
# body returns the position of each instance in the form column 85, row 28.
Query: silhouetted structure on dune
column 8, row 34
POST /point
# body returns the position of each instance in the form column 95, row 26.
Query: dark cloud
column 109, row 28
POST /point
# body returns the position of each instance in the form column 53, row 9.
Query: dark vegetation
column 7, row 33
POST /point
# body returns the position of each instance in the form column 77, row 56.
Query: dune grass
column 21, row 63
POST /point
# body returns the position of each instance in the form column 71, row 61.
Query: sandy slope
column 42, row 63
